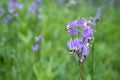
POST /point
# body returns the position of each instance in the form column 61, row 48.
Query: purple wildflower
column 83, row 50
column 74, row 23
column 99, row 11
column 8, row 19
column 19, row 6
column 38, row 1
column 12, row 4
column 35, row 47
column 80, row 45
column 71, row 26
column 2, row 11
column 87, row 29
column 33, row 8
column 87, row 33
column 73, row 44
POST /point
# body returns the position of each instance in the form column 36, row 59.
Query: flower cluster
column 80, row 45
column 38, row 39
column 12, row 6
column 34, row 8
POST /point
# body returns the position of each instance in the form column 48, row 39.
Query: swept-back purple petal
column 73, row 31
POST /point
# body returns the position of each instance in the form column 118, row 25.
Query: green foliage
column 51, row 62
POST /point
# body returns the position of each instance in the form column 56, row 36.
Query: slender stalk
column 92, row 69
column 80, row 68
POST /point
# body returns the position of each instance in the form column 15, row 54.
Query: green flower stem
column 92, row 69
column 80, row 68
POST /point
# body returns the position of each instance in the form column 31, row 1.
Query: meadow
column 51, row 61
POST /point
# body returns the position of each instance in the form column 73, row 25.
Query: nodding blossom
column 71, row 26
column 80, row 45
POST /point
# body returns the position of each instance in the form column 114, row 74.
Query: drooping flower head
column 73, row 44
column 71, row 26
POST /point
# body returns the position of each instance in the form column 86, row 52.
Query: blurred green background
column 51, row 61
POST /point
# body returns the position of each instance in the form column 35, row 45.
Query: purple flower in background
column 2, row 11
column 39, row 39
column 12, row 4
column 8, row 19
column 99, row 11
column 98, row 14
column 35, row 47
column 33, row 7
column 19, row 6
column 38, row 1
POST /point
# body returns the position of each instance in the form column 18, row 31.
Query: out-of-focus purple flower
column 38, row 1
column 98, row 14
column 2, row 11
column 33, row 8
column 12, row 4
column 99, row 11
column 35, row 47
column 39, row 39
column 19, row 6
column 8, row 19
